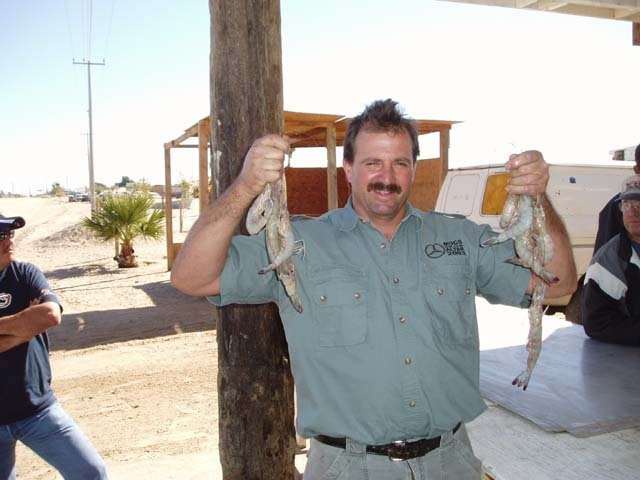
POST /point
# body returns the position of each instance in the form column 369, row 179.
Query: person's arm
column 199, row 264
column 607, row 319
column 530, row 176
column 20, row 327
column 7, row 342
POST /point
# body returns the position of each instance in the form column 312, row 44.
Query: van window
column 495, row 194
column 463, row 194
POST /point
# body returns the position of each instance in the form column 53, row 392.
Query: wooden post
column 203, row 165
column 444, row 154
column 635, row 33
column 168, row 212
column 255, row 387
column 332, row 172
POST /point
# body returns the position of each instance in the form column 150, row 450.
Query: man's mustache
column 384, row 187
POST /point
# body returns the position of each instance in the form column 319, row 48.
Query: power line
column 106, row 44
column 66, row 13
column 82, row 20
column 83, row 31
column 90, row 26
column 92, row 187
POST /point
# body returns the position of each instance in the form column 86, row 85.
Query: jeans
column 453, row 460
column 54, row 436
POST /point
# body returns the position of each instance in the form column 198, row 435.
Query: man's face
column 631, row 218
column 381, row 176
column 7, row 250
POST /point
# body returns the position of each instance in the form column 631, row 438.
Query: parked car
column 157, row 200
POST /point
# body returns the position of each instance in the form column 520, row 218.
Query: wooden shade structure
column 621, row 10
column 303, row 130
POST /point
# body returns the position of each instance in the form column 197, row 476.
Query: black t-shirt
column 25, row 372
column 609, row 222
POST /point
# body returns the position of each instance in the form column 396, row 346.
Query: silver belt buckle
column 400, row 443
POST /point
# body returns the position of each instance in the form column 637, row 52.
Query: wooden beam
column 190, row 132
column 332, row 171
column 203, row 165
column 552, row 5
column 525, row 3
column 630, row 14
column 444, row 153
column 609, row 3
column 635, row 34
column 168, row 211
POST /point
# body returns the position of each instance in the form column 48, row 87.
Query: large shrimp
column 260, row 211
column 281, row 242
column 540, row 234
column 509, row 210
column 534, row 248
column 526, row 249
column 269, row 210
column 519, row 226
column 534, row 340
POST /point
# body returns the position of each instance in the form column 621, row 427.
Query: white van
column 578, row 193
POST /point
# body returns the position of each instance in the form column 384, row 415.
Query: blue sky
column 565, row 85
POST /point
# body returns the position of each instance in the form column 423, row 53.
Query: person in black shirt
column 611, row 296
column 29, row 411
column 610, row 217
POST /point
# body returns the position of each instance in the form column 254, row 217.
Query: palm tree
column 125, row 218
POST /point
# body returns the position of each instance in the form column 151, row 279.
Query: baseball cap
column 631, row 188
column 10, row 223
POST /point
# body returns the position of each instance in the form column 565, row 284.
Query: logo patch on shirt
column 437, row 250
column 5, row 300
column 44, row 293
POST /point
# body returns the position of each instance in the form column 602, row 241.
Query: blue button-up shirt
column 387, row 345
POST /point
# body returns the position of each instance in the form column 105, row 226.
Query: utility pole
column 92, row 188
column 255, row 386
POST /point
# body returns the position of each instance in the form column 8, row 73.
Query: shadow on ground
column 77, row 271
column 173, row 313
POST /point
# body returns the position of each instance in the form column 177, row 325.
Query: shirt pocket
column 449, row 291
column 339, row 295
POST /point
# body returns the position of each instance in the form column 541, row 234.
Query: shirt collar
column 346, row 218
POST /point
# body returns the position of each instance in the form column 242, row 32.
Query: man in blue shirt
column 29, row 411
column 385, row 352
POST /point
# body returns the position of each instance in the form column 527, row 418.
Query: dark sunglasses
column 5, row 235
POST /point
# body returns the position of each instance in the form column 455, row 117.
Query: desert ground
column 134, row 360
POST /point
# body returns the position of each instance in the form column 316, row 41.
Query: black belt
column 401, row 450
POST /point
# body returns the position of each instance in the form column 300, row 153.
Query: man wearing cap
column 610, row 217
column 611, row 296
column 29, row 411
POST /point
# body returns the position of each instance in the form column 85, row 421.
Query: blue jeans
column 453, row 460
column 54, row 436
